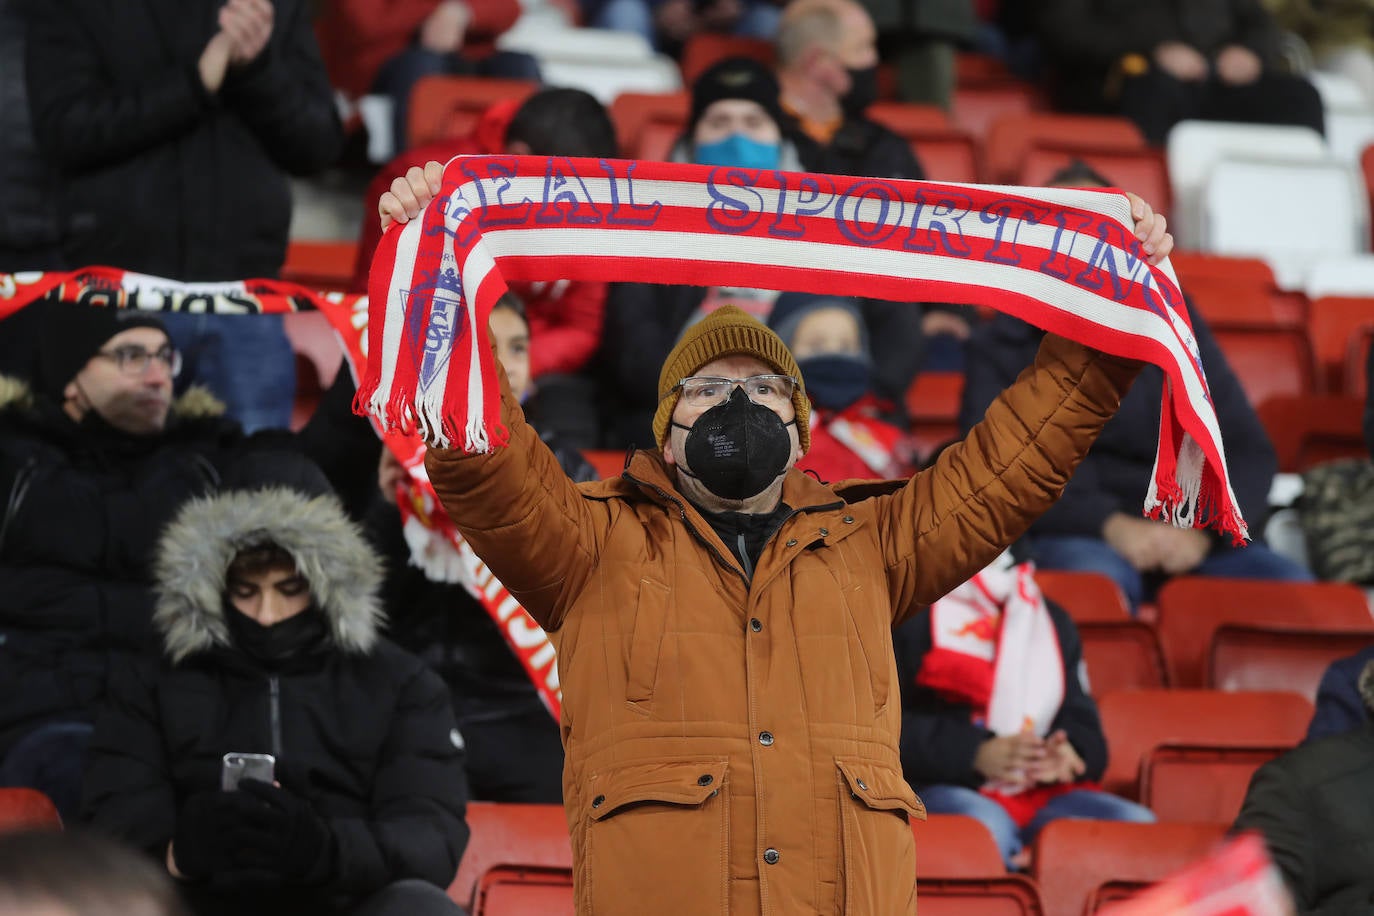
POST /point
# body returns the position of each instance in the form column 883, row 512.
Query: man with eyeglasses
column 731, row 712
column 94, row 458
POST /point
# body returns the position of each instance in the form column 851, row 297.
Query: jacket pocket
column 878, row 853
column 657, row 838
column 646, row 641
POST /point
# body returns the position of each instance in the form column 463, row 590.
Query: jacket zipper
column 682, row 512
column 744, row 554
column 274, row 693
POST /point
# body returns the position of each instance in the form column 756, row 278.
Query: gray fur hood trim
column 1367, row 686
column 344, row 572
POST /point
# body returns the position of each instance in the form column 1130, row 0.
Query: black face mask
column 738, row 448
column 863, row 91
column 836, row 380
column 281, row 641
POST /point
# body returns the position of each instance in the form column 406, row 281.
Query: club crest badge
column 436, row 317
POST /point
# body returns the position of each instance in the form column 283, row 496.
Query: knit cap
column 736, row 78
column 728, row 331
column 70, row 334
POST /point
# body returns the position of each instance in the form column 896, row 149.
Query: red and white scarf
column 436, row 546
column 1064, row 260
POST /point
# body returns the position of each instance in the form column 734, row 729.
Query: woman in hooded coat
column 269, row 615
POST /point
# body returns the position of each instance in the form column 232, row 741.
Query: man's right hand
column 410, row 193
column 1010, row 758
column 1181, row 61
column 1136, row 539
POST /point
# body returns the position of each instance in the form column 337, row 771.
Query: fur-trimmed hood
column 1367, row 686
column 344, row 572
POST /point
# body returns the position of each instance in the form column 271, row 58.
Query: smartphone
column 236, row 767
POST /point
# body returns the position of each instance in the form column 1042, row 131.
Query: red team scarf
column 1064, row 260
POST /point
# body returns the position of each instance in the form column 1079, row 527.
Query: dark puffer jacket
column 83, row 507
column 359, row 728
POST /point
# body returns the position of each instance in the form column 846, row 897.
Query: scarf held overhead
column 1063, row 260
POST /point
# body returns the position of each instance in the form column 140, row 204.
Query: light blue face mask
column 739, row 150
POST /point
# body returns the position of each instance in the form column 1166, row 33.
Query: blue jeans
column 1076, row 553
column 246, row 360
column 400, row 74
column 1086, row 804
column 51, row 759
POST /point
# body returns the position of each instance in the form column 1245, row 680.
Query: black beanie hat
column 70, row 334
column 736, row 78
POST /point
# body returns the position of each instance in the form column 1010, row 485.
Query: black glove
column 200, row 845
column 280, row 836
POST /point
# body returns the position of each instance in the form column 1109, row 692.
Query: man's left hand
column 1238, row 66
column 248, row 23
column 1150, row 228
column 1182, row 550
column 1061, row 762
column 282, row 836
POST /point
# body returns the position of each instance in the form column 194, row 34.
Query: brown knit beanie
column 728, row 331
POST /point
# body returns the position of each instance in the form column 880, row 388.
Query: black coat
column 1115, row 475
column 1315, row 807
column 1085, row 39
column 940, row 739
column 82, row 513
column 158, row 175
column 368, row 739
column 860, row 147
column 29, row 223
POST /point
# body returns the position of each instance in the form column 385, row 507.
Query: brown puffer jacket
column 732, row 743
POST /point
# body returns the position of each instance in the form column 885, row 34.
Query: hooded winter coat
column 83, row 506
column 732, row 728
column 360, row 729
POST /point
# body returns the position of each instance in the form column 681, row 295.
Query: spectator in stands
column 514, row 752
column 1096, row 526
column 1338, row 33
column 920, row 39
column 1339, row 706
column 176, row 124
column 51, row 873
column 268, row 610
column 735, row 120
column 385, row 47
column 1313, row 806
column 828, row 71
column 565, row 316
column 723, row 619
column 94, row 459
column 1159, row 62
column 669, row 24
column 851, row 435
column 30, row 220
column 975, row 669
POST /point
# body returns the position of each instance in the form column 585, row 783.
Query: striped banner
column 1064, row 260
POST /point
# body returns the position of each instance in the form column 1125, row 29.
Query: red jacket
column 565, row 318
column 856, row 445
column 358, row 36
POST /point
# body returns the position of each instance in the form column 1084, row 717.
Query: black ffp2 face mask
column 737, row 449
column 272, row 645
column 863, row 91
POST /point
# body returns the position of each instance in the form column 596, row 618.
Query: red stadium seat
column 909, row 120
column 1246, row 657
column 706, row 48
column 530, row 837
column 1074, row 858
column 635, row 112
column 1121, row 655
column 1200, row 785
column 1193, row 608
column 1356, row 381
column 1084, row 595
column 443, row 107
column 324, row 265
column 607, row 462
column 28, row 809
column 947, row 156
column 1268, row 361
column 972, row 69
column 1332, row 322
column 1194, row 265
column 932, row 403
column 1011, row 137
column 1243, row 304
column 975, row 108
column 1010, row 895
column 525, row 892
column 656, row 140
column 1138, row 721
column 1313, row 429
column 1141, row 171
column 954, row 846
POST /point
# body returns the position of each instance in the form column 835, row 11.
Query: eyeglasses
column 134, row 360
column 704, row 391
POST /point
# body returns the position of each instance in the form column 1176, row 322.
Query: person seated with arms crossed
column 269, row 616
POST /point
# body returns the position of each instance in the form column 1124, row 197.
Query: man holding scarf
column 730, row 712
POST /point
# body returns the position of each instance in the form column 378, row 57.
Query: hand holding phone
column 236, row 767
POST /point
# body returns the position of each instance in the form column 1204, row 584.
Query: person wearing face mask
column 268, row 611
column 95, row 457
column 828, row 70
column 850, row 435
column 731, row 715
column 735, row 120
